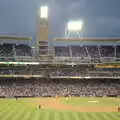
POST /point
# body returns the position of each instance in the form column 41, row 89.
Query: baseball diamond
column 63, row 78
column 58, row 109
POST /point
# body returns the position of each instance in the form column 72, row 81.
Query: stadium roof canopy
column 14, row 39
column 90, row 39
column 86, row 41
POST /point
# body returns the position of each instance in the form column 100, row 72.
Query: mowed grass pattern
column 22, row 110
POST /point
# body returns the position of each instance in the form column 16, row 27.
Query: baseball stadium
column 66, row 78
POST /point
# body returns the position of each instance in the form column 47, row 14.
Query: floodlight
column 44, row 12
column 74, row 25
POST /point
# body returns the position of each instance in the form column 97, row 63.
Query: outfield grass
column 84, row 101
column 22, row 109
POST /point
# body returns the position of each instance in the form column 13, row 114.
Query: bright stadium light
column 75, row 25
column 44, row 12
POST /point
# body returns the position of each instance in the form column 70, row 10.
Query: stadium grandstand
column 65, row 78
column 79, row 67
column 15, row 48
column 71, row 66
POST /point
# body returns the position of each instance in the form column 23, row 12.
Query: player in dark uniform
column 16, row 98
column 118, row 108
column 39, row 106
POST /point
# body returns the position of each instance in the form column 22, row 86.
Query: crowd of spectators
column 107, row 51
column 78, row 51
column 62, row 51
column 92, row 51
column 61, row 72
column 118, row 51
column 20, row 71
column 23, row 50
column 49, row 87
column 6, row 50
column 84, row 73
column 10, row 50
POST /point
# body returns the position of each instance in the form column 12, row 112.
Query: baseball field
column 59, row 109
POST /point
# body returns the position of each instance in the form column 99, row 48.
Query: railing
column 22, row 76
column 81, row 60
column 85, row 77
column 18, row 58
column 61, row 60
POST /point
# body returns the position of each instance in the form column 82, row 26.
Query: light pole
column 73, row 28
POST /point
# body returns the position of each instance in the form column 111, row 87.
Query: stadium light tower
column 74, row 28
column 42, row 32
column 44, row 12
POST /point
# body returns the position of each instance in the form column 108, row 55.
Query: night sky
column 101, row 17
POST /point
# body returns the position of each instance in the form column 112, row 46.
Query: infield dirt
column 53, row 103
